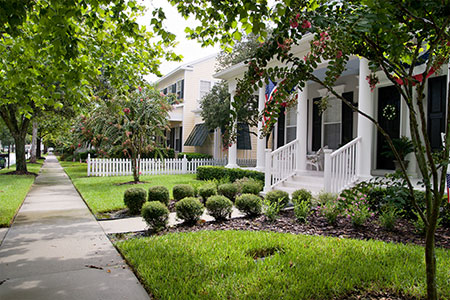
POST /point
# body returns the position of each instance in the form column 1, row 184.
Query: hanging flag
column 448, row 185
column 271, row 89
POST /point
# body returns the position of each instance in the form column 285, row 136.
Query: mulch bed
column 20, row 173
column 317, row 225
column 131, row 182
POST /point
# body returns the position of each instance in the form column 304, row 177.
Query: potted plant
column 404, row 146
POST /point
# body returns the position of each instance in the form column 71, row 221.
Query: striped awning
column 197, row 136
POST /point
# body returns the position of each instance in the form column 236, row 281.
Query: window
column 332, row 124
column 173, row 88
column 164, row 91
column 205, row 87
column 291, row 124
column 180, row 89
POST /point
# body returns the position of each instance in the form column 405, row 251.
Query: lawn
column 102, row 194
column 222, row 265
column 13, row 189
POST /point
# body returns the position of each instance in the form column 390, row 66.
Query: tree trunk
column 34, row 142
column 135, row 167
column 430, row 261
column 38, row 148
column 21, row 164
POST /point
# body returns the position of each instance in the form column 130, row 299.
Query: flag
column 271, row 89
column 448, row 185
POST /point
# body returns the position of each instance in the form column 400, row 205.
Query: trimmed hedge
column 219, row 207
column 278, row 197
column 301, row 195
column 228, row 190
column 181, row 191
column 156, row 214
column 134, row 198
column 189, row 209
column 215, row 172
column 194, row 155
column 159, row 193
column 207, row 190
column 249, row 204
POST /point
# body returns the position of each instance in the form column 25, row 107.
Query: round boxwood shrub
column 219, row 207
column 207, row 190
column 277, row 196
column 301, row 195
column 156, row 214
column 228, row 190
column 181, row 191
column 249, row 186
column 134, row 198
column 159, row 193
column 189, row 209
column 249, row 204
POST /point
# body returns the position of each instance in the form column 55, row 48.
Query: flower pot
column 397, row 164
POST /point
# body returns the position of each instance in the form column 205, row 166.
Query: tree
column 52, row 53
column 131, row 124
column 395, row 36
column 216, row 107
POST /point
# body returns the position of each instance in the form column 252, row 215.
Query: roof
column 198, row 135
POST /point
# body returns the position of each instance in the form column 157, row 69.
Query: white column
column 261, row 142
column 232, row 151
column 365, row 127
column 216, row 143
column 302, row 128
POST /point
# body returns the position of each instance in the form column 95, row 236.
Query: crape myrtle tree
column 132, row 124
column 394, row 36
column 52, row 53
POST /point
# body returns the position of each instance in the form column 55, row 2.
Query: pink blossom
column 306, row 24
column 339, row 54
column 79, row 145
column 161, row 94
column 294, row 24
column 140, row 89
column 126, row 110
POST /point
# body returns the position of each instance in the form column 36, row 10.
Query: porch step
column 312, row 182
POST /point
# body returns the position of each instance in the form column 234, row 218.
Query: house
column 187, row 84
column 351, row 146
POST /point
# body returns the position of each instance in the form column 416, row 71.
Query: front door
column 389, row 119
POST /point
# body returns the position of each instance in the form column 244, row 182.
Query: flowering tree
column 395, row 36
column 131, row 124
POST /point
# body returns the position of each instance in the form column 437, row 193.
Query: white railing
column 121, row 167
column 340, row 167
column 280, row 164
column 246, row 162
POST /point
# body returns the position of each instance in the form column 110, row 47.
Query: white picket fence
column 120, row 167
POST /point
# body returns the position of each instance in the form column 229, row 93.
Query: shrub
column 134, row 198
column 156, row 214
column 215, row 172
column 181, row 191
column 445, row 213
column 194, row 155
column 189, row 209
column 388, row 217
column 248, row 186
column 302, row 210
column 324, row 197
column 249, row 204
column 159, row 193
column 207, row 190
column 358, row 209
column 228, row 190
column 330, row 210
column 301, row 195
column 272, row 208
column 219, row 207
column 281, row 198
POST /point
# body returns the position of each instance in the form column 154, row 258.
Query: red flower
column 306, row 24
column 339, row 54
column 79, row 145
column 294, row 23
column 140, row 89
column 126, row 110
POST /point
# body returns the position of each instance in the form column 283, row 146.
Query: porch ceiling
column 352, row 69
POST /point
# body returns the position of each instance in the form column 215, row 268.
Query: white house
column 354, row 145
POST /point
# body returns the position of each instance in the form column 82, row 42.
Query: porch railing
column 340, row 166
column 280, row 164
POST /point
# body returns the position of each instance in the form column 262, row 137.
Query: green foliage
column 228, row 190
column 249, row 186
column 219, row 207
column 249, row 204
column 388, row 217
column 330, row 210
column 207, row 190
column 403, row 145
column 159, row 153
column 281, row 198
column 272, row 208
column 134, row 198
column 357, row 208
column 156, row 214
column 445, row 213
column 324, row 197
column 301, row 195
column 302, row 209
column 214, row 172
column 216, row 107
column 194, row 155
column 159, row 193
column 189, row 210
column 181, row 191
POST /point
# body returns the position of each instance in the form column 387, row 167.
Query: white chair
column 316, row 159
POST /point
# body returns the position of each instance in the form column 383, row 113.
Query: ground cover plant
column 231, row 265
column 13, row 189
column 105, row 194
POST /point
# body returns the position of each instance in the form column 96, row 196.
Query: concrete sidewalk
column 55, row 248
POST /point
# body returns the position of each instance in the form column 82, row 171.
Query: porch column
column 261, row 142
column 232, row 151
column 302, row 128
column 365, row 127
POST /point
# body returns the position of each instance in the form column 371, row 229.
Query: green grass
column 219, row 265
column 13, row 189
column 102, row 194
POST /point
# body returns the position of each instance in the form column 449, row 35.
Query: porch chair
column 316, row 159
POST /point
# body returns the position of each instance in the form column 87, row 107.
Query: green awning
column 243, row 137
column 197, row 136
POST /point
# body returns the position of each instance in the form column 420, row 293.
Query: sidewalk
column 55, row 248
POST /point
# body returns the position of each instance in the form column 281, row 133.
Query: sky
column 175, row 23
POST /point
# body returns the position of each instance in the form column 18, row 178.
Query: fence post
column 268, row 171
column 89, row 165
column 327, row 170
column 184, row 165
